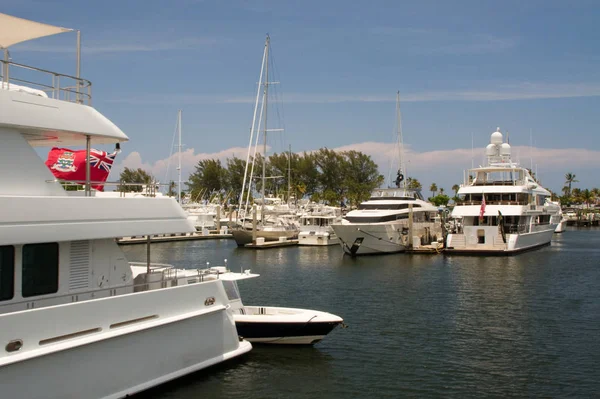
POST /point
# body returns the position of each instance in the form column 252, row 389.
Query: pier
column 172, row 238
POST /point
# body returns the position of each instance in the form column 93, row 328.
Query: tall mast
column 179, row 165
column 265, row 97
column 400, row 139
column 252, row 131
column 289, row 174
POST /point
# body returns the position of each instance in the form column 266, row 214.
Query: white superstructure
column 73, row 320
column 316, row 222
column 503, row 208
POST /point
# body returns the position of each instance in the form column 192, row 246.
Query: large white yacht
column 382, row 223
column 503, row 209
column 74, row 322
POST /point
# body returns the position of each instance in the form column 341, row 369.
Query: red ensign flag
column 482, row 209
column 69, row 165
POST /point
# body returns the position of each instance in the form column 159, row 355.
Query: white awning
column 15, row 30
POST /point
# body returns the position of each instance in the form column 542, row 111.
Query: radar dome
column 496, row 137
column 505, row 149
column 491, row 150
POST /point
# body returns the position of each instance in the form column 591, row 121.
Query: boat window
column 231, row 290
column 40, row 269
column 7, row 272
column 387, row 206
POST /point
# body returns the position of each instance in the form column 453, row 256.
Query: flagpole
column 88, row 171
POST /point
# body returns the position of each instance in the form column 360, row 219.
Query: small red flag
column 482, row 209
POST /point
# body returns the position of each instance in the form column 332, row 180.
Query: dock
column 428, row 249
column 172, row 238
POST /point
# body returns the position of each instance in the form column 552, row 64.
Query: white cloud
column 515, row 91
column 443, row 42
column 124, row 46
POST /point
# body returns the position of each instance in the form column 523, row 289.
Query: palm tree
column 569, row 180
column 455, row 188
column 586, row 197
column 596, row 192
column 442, row 191
column 433, row 189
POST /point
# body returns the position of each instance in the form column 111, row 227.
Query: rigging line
column 262, row 65
column 172, row 147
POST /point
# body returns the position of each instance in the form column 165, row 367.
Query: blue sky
column 463, row 68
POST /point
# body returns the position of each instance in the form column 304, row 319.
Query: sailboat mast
column 179, row 165
column 265, row 96
column 289, row 174
column 400, row 138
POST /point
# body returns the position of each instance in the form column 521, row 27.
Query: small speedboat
column 274, row 325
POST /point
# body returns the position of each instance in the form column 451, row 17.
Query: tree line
column 323, row 176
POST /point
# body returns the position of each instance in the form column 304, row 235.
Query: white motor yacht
column 504, row 210
column 382, row 223
column 74, row 322
column 316, row 222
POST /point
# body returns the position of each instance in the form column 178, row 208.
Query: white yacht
column 503, row 209
column 316, row 222
column 74, row 323
column 382, row 223
column 393, row 219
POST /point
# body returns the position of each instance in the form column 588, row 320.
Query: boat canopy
column 15, row 30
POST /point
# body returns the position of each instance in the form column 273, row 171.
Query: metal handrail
column 82, row 88
column 201, row 274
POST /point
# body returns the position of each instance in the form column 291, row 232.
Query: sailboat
column 271, row 224
column 383, row 223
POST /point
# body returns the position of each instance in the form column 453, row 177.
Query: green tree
column 433, row 188
column 413, row 184
column 331, row 169
column 455, row 188
column 361, row 176
column 587, row 197
column 307, row 175
column 569, row 180
column 129, row 177
column 440, row 199
column 235, row 177
column 209, row 175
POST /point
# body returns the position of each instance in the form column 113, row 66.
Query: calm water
column 418, row 325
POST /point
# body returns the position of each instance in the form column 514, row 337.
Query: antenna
column 531, row 149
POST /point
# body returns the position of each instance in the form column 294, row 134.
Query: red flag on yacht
column 69, row 165
column 482, row 209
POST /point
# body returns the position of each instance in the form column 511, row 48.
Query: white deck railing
column 55, row 85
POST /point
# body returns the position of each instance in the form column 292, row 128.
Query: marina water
column 418, row 325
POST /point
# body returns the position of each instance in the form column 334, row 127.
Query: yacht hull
column 287, row 326
column 311, row 238
column 156, row 343
column 515, row 243
column 370, row 239
column 243, row 237
column 562, row 226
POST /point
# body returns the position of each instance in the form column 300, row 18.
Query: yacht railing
column 56, row 85
column 169, row 279
column 148, row 189
column 491, row 202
